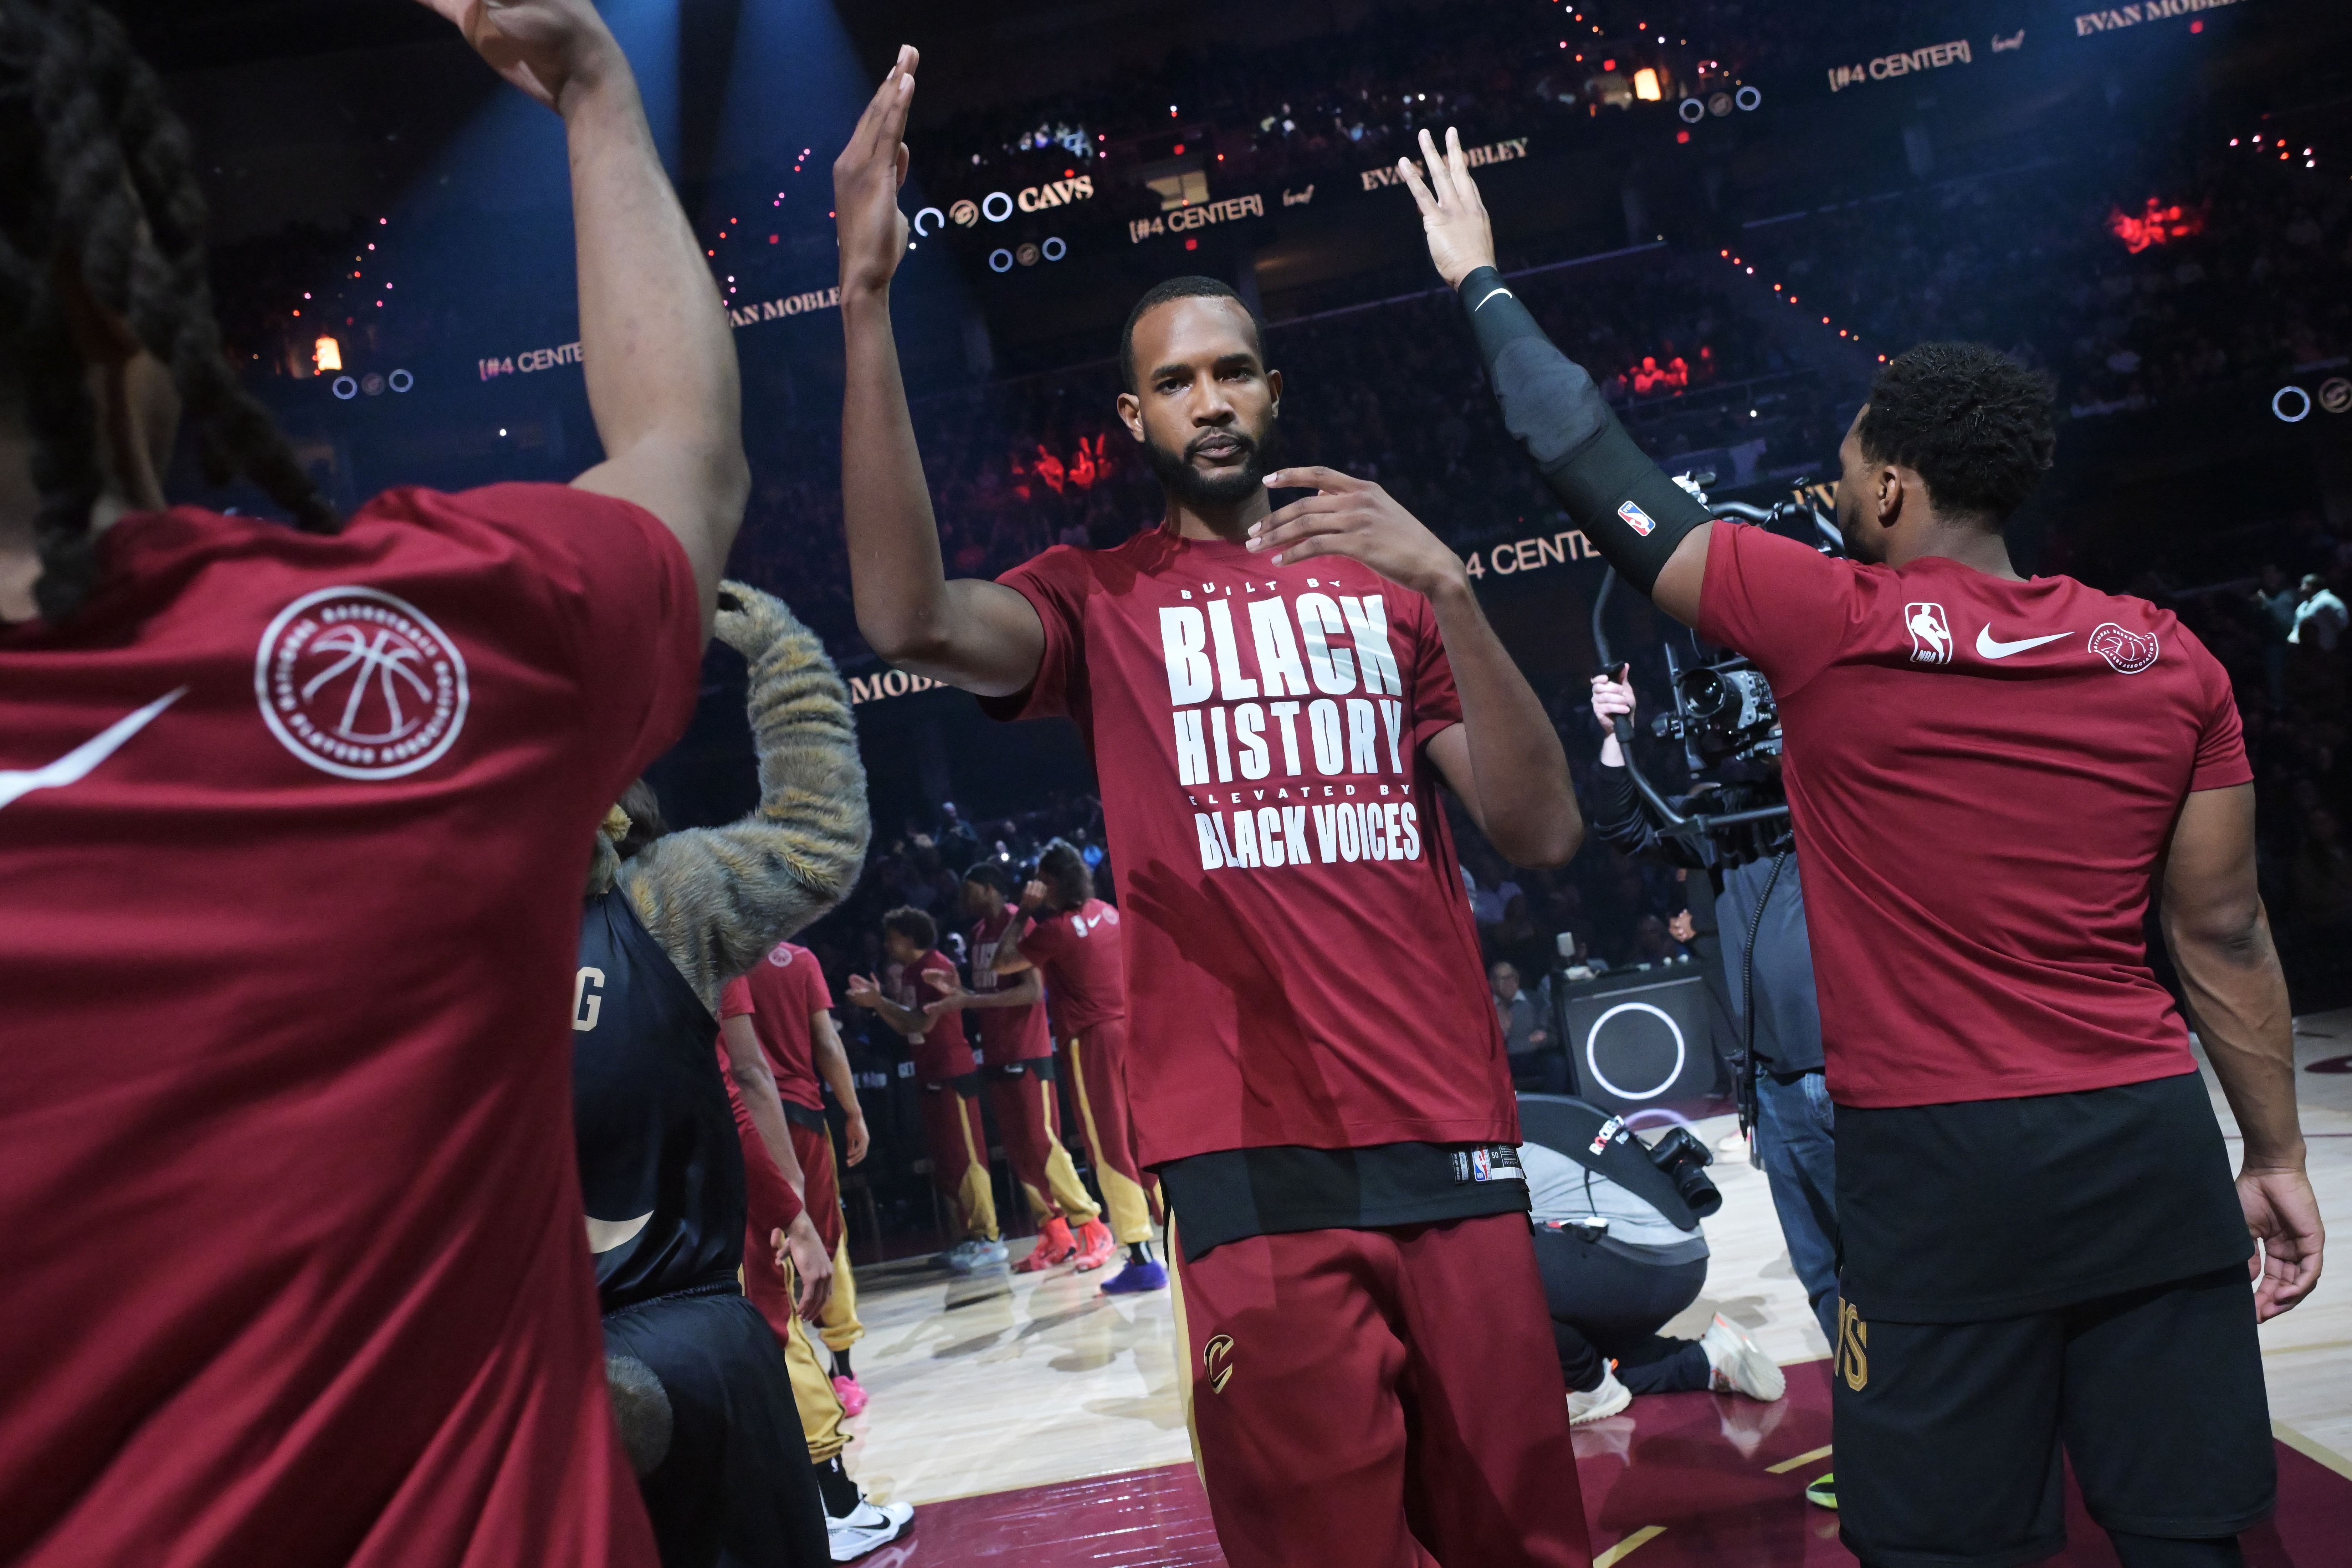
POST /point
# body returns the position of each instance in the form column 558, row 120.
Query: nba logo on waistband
column 1637, row 520
column 1481, row 1167
column 1931, row 635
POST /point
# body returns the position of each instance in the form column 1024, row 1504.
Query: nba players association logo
column 1931, row 634
column 2129, row 652
column 359, row 684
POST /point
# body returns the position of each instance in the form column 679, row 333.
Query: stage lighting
column 1645, row 85
column 1692, row 111
column 1749, row 97
column 1000, row 260
column 2302, row 405
column 326, row 354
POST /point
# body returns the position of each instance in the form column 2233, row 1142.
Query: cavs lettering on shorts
column 1853, row 1347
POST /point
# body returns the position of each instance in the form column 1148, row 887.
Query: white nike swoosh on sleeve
column 77, row 763
column 1992, row 648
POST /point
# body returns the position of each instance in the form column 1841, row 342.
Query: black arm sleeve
column 1625, row 504
column 1621, row 821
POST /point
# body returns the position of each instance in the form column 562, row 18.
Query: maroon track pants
column 1382, row 1399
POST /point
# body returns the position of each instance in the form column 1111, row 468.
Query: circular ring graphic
column 965, row 213
column 988, row 206
column 2278, row 405
column 1593, row 1036
column 2336, row 395
column 1692, row 111
column 1027, row 255
column 1054, row 249
column 930, row 212
column 371, row 383
column 399, row 380
column 345, row 387
column 361, row 684
column 1718, row 104
column 1749, row 97
column 1000, row 260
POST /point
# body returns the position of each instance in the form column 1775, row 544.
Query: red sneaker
column 852, row 1396
column 1094, row 1245
column 1054, row 1246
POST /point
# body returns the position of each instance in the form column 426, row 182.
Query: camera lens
column 1685, row 1158
column 1707, row 695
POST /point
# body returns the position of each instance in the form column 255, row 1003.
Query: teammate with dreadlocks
column 294, row 830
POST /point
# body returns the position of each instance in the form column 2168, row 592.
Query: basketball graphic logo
column 2129, row 652
column 359, row 684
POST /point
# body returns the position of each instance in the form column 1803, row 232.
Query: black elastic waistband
column 726, row 1286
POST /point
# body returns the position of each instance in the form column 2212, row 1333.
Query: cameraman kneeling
column 1619, row 1247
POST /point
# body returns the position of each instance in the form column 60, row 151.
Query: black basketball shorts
column 1950, row 1435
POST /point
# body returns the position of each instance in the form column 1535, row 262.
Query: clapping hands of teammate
column 866, row 180
column 952, row 1002
column 1452, row 218
column 2284, row 1214
column 1357, row 518
column 804, row 1251
column 543, row 46
column 864, row 993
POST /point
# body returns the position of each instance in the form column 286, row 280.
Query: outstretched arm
column 718, row 897
column 1551, row 405
column 653, row 336
column 2219, row 940
column 980, row 635
column 1503, row 760
column 907, row 1021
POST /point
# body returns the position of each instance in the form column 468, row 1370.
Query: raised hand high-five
column 1461, row 240
column 1358, row 519
column 541, row 45
column 866, row 180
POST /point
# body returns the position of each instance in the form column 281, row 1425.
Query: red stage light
column 1177, row 150
column 1683, row 136
column 1193, row 244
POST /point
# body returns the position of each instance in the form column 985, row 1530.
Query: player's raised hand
column 866, row 180
column 1034, row 894
column 1452, row 218
column 1355, row 518
column 863, row 991
column 543, row 46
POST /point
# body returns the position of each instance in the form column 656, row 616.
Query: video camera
column 1723, row 714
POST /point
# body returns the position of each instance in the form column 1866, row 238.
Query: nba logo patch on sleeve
column 1637, row 520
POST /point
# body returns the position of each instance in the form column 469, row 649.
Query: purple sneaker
column 1138, row 1277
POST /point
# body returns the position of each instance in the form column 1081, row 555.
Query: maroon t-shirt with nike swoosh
column 297, row 1266
column 1983, row 774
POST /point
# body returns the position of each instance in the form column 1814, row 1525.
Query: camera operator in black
column 1783, row 1098
column 1618, row 1244
column 2045, row 1258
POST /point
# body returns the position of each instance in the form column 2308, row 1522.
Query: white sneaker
column 1739, row 1365
column 870, row 1526
column 1606, row 1400
column 984, row 1253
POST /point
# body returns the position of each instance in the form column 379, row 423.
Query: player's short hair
column 990, row 875
column 1063, row 869
column 1977, row 425
column 914, row 925
column 1192, row 286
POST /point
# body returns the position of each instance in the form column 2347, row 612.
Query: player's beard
column 1849, row 525
column 1226, row 487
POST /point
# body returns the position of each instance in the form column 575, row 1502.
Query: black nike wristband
column 1633, row 514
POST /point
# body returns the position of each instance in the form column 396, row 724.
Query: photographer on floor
column 1759, row 905
column 1619, row 1247
column 2043, row 1255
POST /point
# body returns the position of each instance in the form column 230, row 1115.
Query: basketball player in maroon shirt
column 334, row 790
column 2041, row 1253
column 1319, row 1079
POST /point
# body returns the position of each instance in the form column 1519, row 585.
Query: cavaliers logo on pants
column 1216, row 1363
column 1853, row 1347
